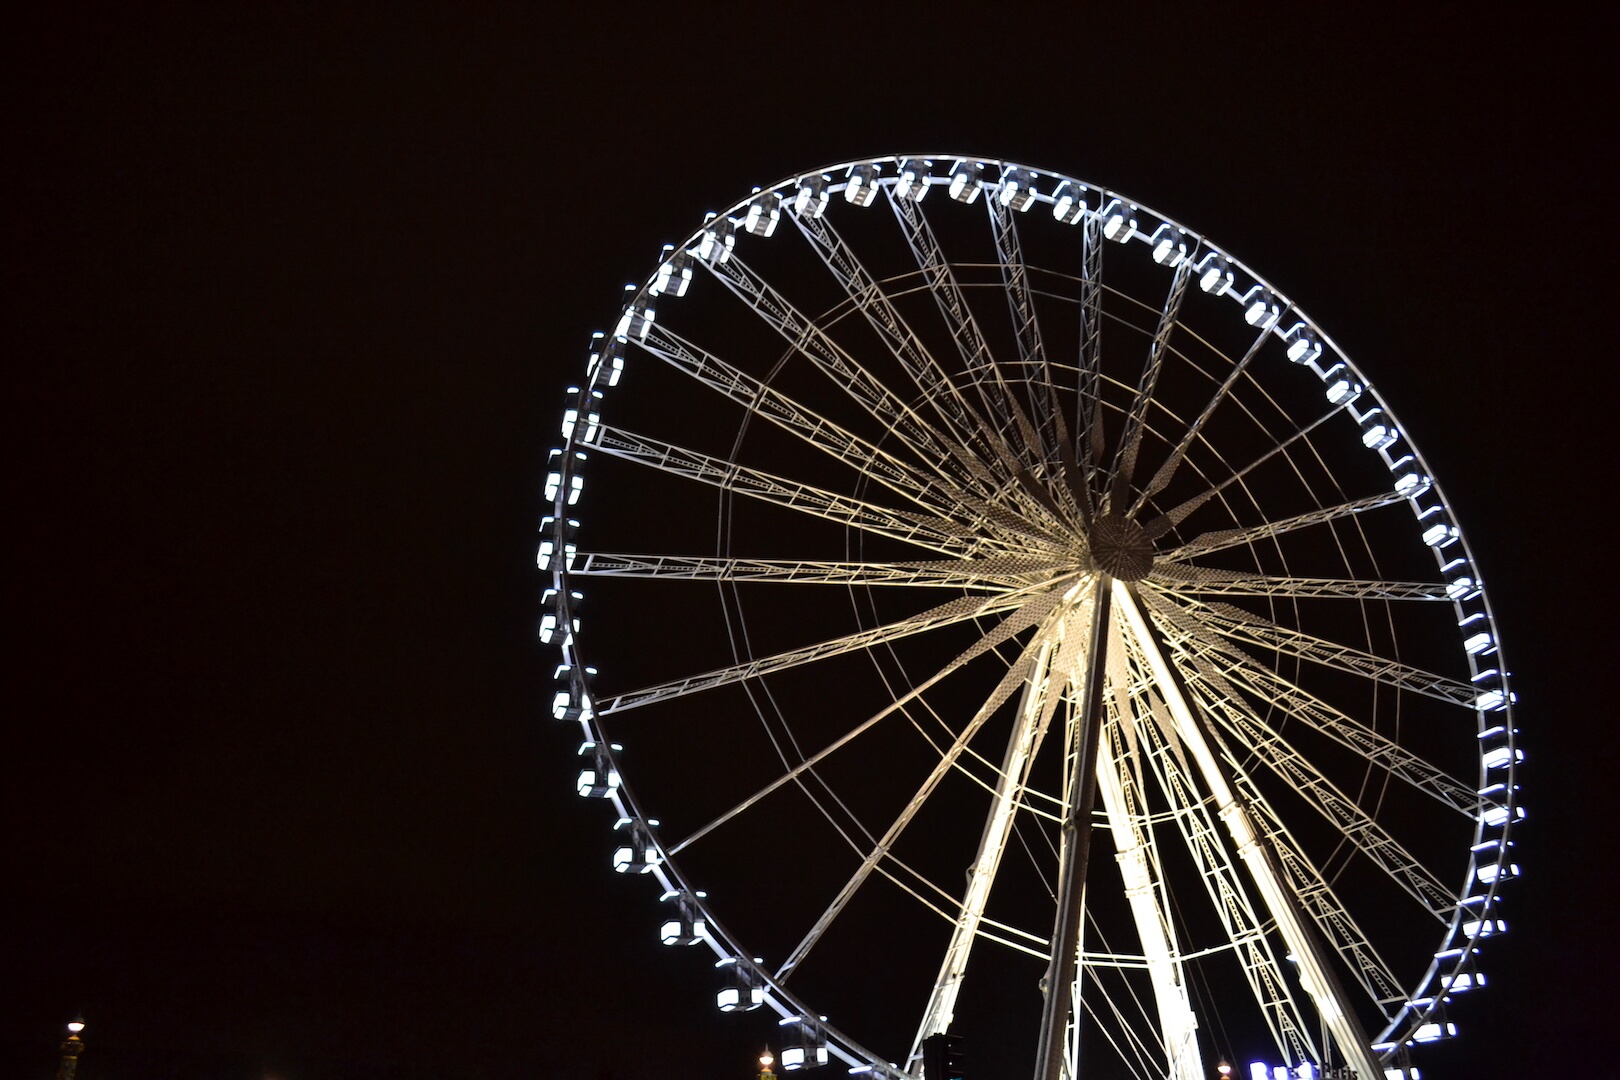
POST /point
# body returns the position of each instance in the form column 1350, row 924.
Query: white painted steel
column 1013, row 408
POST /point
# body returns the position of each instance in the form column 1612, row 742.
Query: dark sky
column 291, row 299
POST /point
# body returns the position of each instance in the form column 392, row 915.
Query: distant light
column 766, row 1061
column 76, row 1026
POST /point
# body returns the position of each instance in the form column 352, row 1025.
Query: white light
column 762, row 215
column 862, row 186
column 1069, row 202
column 1258, row 1071
column 1343, row 391
column 793, row 1057
column 1431, row 1032
column 1017, row 188
column 576, row 484
column 967, row 177
column 1260, row 309
column 615, row 361
column 1169, row 245
column 1119, row 221
column 1460, row 588
column 1484, row 927
column 714, row 246
column 1214, row 274
column 1502, row 756
column 1490, row 701
column 591, row 787
column 811, row 197
column 1412, row 484
column 75, row 1027
column 1375, row 433
column 1279, row 1072
column 913, row 181
column 673, row 277
column 1440, row 534
column 1473, row 647
column 1303, row 348
column 1500, row 815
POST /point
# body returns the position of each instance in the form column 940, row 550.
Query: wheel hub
column 1120, row 548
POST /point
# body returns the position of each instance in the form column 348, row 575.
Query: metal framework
column 1207, row 618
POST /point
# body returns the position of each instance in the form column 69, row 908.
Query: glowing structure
column 1195, row 598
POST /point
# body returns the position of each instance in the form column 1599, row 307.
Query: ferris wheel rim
column 1441, row 967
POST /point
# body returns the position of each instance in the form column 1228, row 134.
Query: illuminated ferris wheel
column 936, row 514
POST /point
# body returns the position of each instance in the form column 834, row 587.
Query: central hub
column 1120, row 548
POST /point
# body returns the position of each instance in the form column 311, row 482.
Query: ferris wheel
column 985, row 601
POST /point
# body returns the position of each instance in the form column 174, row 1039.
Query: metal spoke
column 1034, row 365
column 1020, row 620
column 1243, row 626
column 936, row 534
column 954, row 611
column 779, row 409
column 1018, row 443
column 1051, row 679
column 1130, row 440
column 1353, row 822
column 1185, row 578
column 1177, row 514
column 1224, row 665
column 869, row 298
column 812, row 342
column 1167, row 471
column 1145, row 720
column 994, row 574
column 1221, row 539
column 1332, row 918
column 1016, row 675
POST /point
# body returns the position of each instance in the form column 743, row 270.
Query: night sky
column 291, row 298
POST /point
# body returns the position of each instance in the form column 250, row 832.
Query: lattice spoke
column 1222, row 539
column 1183, row 578
column 936, row 534
column 946, row 614
column 993, row 574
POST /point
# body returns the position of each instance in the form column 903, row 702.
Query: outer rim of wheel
column 1454, row 966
